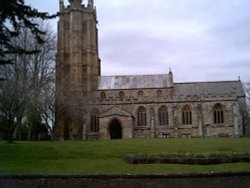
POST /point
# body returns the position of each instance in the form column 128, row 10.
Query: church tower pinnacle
column 61, row 5
column 91, row 4
column 170, row 79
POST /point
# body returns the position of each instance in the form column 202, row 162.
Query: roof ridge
column 132, row 75
column 226, row 81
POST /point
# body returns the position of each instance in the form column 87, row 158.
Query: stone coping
column 128, row 176
column 199, row 159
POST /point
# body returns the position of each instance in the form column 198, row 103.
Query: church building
column 90, row 106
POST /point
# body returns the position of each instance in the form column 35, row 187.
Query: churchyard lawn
column 86, row 157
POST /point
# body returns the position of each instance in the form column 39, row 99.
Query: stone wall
column 201, row 106
column 198, row 180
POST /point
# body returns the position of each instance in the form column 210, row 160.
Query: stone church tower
column 77, row 67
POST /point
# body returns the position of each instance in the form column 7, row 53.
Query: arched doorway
column 115, row 129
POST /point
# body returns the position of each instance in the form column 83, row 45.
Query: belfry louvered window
column 218, row 114
column 141, row 117
column 94, row 127
column 186, row 115
column 163, row 115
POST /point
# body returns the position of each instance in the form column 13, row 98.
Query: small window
column 218, row 114
column 141, row 117
column 159, row 93
column 103, row 96
column 94, row 126
column 163, row 115
column 121, row 95
column 140, row 93
column 186, row 115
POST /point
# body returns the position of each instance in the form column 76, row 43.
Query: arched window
column 186, row 115
column 103, row 96
column 141, row 117
column 159, row 93
column 94, row 125
column 163, row 115
column 140, row 93
column 218, row 114
column 121, row 95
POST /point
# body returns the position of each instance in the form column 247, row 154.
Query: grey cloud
column 212, row 51
column 200, row 39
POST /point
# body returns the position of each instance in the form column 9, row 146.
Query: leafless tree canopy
column 27, row 94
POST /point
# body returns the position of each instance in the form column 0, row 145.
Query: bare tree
column 42, row 81
column 247, row 108
column 12, row 106
column 46, row 107
column 30, row 83
column 247, row 91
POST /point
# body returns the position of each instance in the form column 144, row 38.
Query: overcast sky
column 201, row 40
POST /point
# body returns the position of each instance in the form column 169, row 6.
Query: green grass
column 107, row 156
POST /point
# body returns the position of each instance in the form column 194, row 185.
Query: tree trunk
column 30, row 132
column 10, row 132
